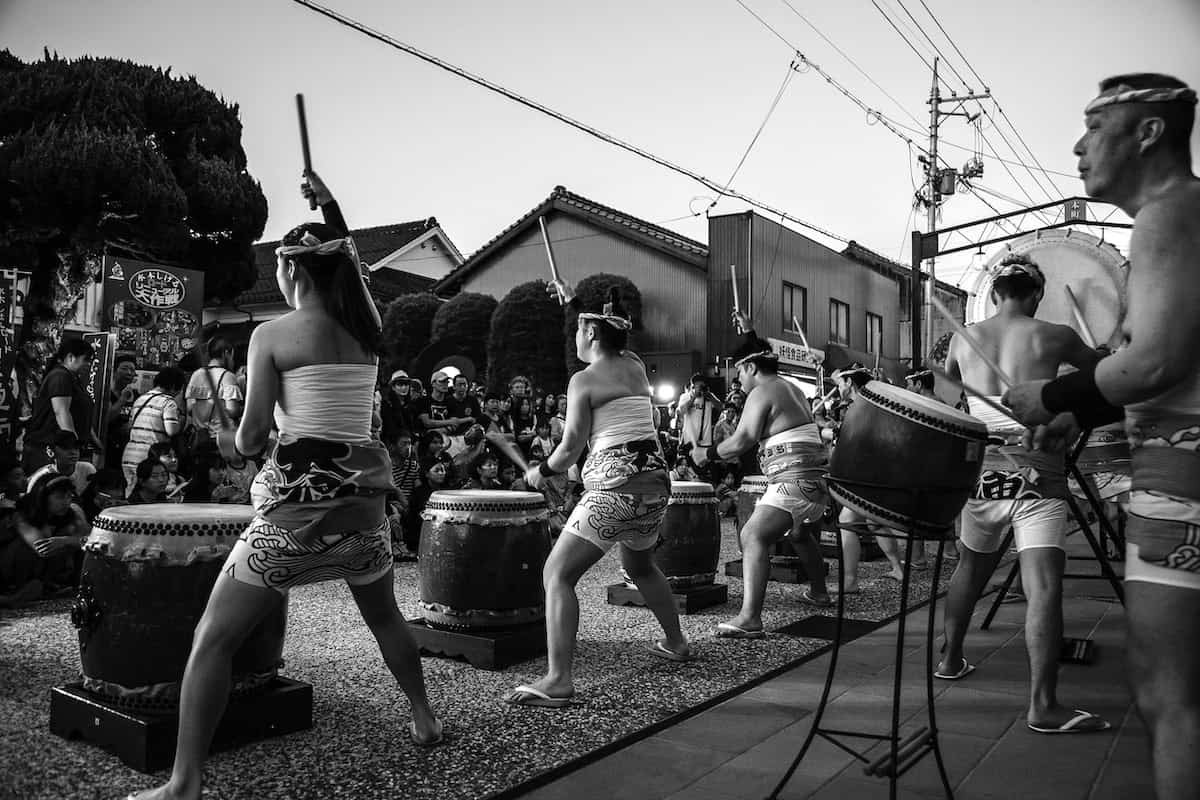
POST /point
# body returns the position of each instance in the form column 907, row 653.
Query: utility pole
column 938, row 183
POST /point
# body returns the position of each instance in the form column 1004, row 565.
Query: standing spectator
column 735, row 397
column 121, row 394
column 396, row 406
column 492, row 420
column 201, row 411
column 155, row 419
column 546, row 410
column 559, row 422
column 524, row 422
column 726, row 423
column 62, row 404
column 696, row 417
column 150, row 483
column 64, row 454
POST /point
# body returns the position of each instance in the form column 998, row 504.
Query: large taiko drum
column 481, row 558
column 1094, row 271
column 689, row 545
column 906, row 461
column 147, row 573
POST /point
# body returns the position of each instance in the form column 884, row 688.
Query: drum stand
column 905, row 752
column 1098, row 545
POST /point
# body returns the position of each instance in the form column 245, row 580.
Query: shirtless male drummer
column 776, row 417
column 1018, row 490
column 1136, row 154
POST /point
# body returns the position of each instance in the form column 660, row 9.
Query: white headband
column 618, row 322
column 1127, row 94
column 311, row 244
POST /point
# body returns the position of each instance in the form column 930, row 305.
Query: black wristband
column 1077, row 392
column 710, row 453
column 545, row 471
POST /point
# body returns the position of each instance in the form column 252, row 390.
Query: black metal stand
column 903, row 753
column 1097, row 544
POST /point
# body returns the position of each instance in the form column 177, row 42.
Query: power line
column 936, row 49
column 899, row 33
column 709, row 183
column 964, row 148
column 933, row 16
column 787, row 78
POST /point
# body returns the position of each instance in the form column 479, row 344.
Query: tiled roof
column 600, row 215
column 863, row 255
column 373, row 245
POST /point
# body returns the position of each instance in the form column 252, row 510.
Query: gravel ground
column 358, row 746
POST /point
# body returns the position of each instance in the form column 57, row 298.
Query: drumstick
column 942, row 375
column 737, row 302
column 803, row 338
column 825, row 399
column 508, row 449
column 1084, row 330
column 1005, row 381
column 312, row 201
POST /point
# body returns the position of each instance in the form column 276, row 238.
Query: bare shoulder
column 1170, row 220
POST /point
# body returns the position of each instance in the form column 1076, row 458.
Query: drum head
column 486, row 497
column 691, row 487
column 753, row 482
column 1095, row 272
column 922, row 409
column 177, row 516
column 168, row 533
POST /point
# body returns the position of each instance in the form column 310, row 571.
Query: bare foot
column 1060, row 719
column 554, row 688
column 165, row 792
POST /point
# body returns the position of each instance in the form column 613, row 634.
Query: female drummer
column 319, row 499
column 625, row 498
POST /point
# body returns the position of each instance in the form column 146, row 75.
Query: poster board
column 154, row 309
column 99, row 378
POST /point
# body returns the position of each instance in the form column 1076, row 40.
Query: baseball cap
column 399, row 375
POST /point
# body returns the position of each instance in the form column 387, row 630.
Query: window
column 839, row 322
column 874, row 333
column 795, row 305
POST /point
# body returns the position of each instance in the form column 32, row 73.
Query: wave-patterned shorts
column 606, row 518
column 272, row 557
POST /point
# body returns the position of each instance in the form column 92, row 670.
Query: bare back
column 783, row 407
column 1027, row 349
column 610, row 378
column 311, row 336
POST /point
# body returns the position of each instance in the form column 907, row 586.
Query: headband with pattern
column 617, row 321
column 918, row 375
column 311, row 244
column 767, row 355
column 1019, row 265
column 1127, row 94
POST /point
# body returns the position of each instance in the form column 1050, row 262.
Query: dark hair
column 146, row 467
column 698, row 377
column 337, row 278
column 160, row 449
column 403, row 433
column 1178, row 116
column 492, row 396
column 767, row 363
column 65, row 440
column 74, row 347
column 107, row 478
column 218, row 346
column 609, row 336
column 924, row 380
column 121, row 359
column 1018, row 286
column 170, row 379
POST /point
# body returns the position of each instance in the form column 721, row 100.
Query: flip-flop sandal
column 966, row 670
column 662, row 651
column 1073, row 724
column 807, row 597
column 727, row 631
column 528, row 696
column 419, row 742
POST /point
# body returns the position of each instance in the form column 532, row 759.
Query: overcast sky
column 689, row 80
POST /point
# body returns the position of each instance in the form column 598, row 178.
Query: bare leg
column 568, row 561
column 1164, row 660
column 765, row 527
column 970, row 576
column 806, row 545
column 851, row 549
column 650, row 581
column 233, row 610
column 377, row 604
column 891, row 551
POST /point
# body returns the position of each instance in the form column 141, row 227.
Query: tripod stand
column 902, row 753
column 1097, row 545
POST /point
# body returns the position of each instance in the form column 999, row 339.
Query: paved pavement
column 741, row 748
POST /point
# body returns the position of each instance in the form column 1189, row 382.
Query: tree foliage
column 592, row 293
column 99, row 155
column 407, row 327
column 525, row 339
column 464, row 320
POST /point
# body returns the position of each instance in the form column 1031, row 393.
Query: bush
column 464, row 320
column 592, row 292
column 524, row 339
column 407, row 327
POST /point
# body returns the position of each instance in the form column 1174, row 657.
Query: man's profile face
column 1107, row 150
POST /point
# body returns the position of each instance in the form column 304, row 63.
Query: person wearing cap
column 395, row 407
column 64, row 451
column 434, row 411
column 1018, row 490
column 1136, row 154
column 776, row 418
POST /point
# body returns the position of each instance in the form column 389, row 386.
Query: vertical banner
column 100, row 378
column 154, row 309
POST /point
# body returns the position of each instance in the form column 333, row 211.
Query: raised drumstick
column 803, row 338
column 508, row 449
column 1003, row 377
column 1084, row 330
column 304, row 150
column 737, row 301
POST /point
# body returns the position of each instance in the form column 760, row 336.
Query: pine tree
column 592, row 292
column 525, row 339
column 464, row 321
column 407, row 326
column 99, row 155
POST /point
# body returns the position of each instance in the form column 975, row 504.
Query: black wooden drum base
column 784, row 569
column 147, row 743
column 483, row 649
column 687, row 601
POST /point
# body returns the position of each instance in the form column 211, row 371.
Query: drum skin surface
column 147, row 573
column 689, row 544
column 481, row 559
column 906, row 461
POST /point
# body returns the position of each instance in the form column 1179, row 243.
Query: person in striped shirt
column 155, row 418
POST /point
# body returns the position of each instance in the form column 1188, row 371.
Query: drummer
column 625, row 499
column 1136, row 154
column 319, row 499
column 1018, row 489
column 776, row 417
